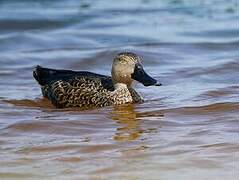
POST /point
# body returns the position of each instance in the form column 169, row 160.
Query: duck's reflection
column 131, row 127
column 126, row 116
column 134, row 124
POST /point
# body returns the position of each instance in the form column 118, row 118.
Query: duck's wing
column 76, row 87
column 46, row 76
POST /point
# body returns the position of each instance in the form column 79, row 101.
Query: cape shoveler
column 66, row 88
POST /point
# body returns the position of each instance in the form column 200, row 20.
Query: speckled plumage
column 65, row 88
column 84, row 89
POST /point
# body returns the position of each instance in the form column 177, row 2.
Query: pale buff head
column 123, row 66
column 127, row 67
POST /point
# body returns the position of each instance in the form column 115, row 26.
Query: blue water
column 186, row 129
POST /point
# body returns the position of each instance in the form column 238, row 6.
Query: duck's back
column 66, row 88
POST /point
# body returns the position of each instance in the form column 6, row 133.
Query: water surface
column 187, row 129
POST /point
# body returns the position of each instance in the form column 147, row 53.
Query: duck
column 67, row 88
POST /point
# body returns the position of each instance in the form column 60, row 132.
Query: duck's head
column 127, row 67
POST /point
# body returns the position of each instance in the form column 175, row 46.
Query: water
column 187, row 129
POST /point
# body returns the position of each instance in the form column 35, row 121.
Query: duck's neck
column 124, row 93
column 121, row 94
column 119, row 86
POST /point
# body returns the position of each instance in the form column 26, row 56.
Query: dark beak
column 140, row 75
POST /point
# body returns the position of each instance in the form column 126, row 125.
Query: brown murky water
column 187, row 129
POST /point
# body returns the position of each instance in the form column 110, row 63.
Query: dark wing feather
column 73, row 88
column 46, row 76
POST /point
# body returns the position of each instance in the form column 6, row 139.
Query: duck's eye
column 139, row 67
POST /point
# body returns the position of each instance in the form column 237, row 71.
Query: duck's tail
column 46, row 75
column 41, row 74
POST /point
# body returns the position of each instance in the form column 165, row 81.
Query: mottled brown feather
column 66, row 88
